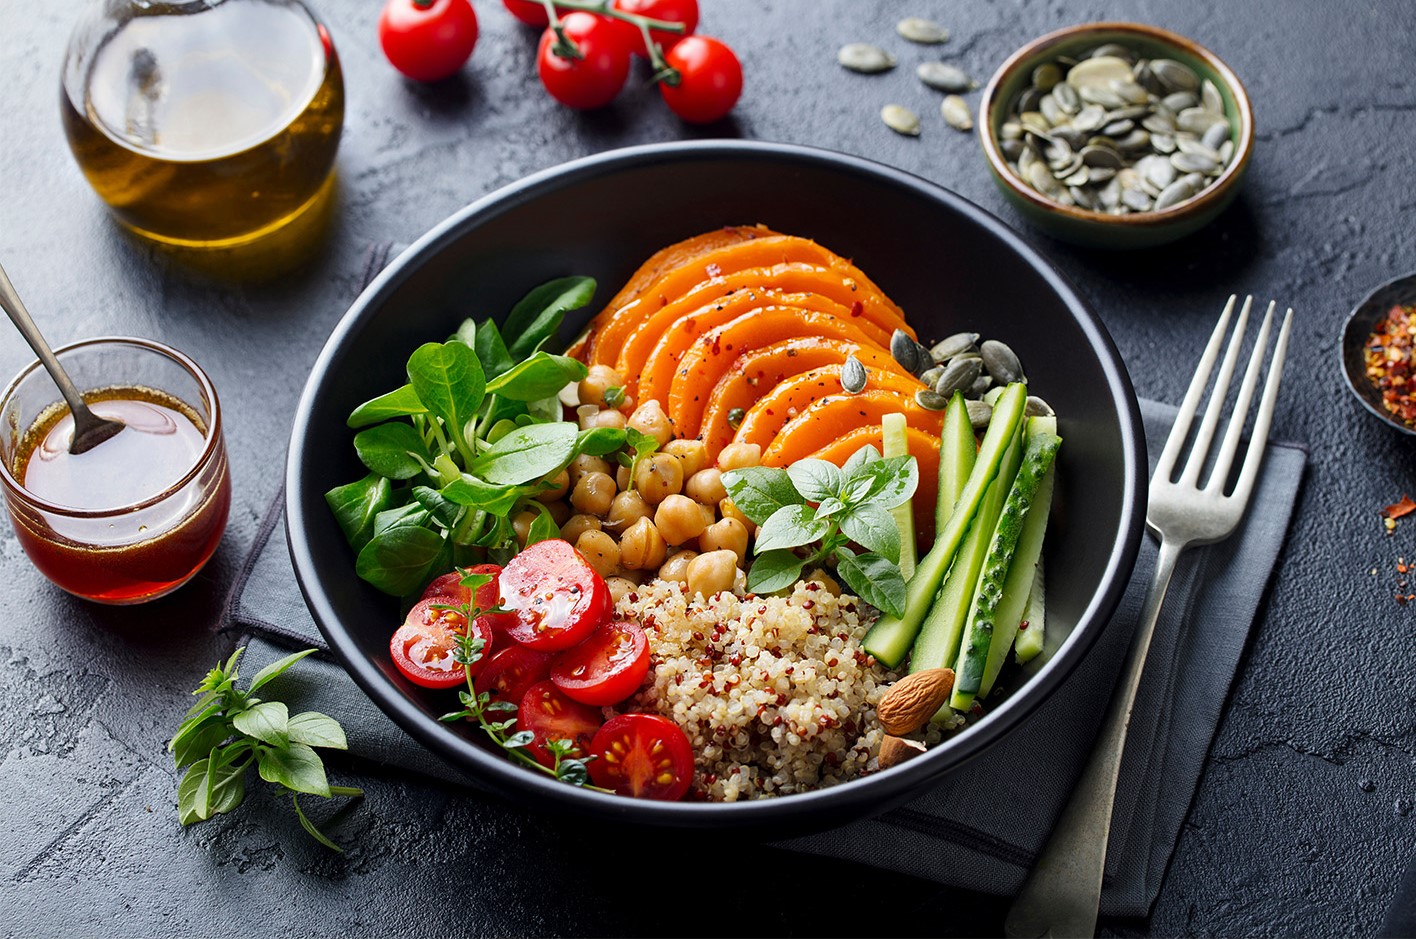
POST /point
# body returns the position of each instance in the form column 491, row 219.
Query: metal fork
column 1061, row 896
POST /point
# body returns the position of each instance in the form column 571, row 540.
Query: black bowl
column 1359, row 326
column 946, row 262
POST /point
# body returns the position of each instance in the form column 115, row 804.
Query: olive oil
column 206, row 122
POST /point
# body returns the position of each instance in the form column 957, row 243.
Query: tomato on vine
column 584, row 64
column 673, row 11
column 427, row 40
column 701, row 79
column 530, row 12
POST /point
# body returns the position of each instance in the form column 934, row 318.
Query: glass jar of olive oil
column 203, row 123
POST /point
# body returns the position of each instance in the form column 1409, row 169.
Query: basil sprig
column 465, row 445
column 813, row 511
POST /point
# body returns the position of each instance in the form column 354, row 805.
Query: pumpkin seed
column 925, row 32
column 1181, row 100
column 931, row 375
column 1198, row 148
column 942, row 76
column 1174, row 75
column 1215, row 137
column 735, row 418
column 1046, row 76
column 853, row 375
column 1210, row 97
column 900, row 119
column 1052, row 110
column 980, row 413
column 931, row 401
column 1067, row 98
column 956, row 113
column 1197, row 120
column 1163, row 143
column 1175, row 193
column 922, row 356
column 905, row 351
column 1137, row 200
column 1118, row 128
column 1001, row 361
column 1098, row 72
column 1114, row 50
column 1158, row 123
column 1036, row 407
column 864, row 58
column 1012, row 149
column 958, row 375
column 1193, row 162
column 981, row 385
column 947, row 348
column 1226, row 152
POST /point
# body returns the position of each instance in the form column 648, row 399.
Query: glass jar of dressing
column 203, row 123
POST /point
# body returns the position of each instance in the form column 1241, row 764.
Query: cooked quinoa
column 775, row 694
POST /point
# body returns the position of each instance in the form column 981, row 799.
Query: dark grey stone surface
column 1302, row 824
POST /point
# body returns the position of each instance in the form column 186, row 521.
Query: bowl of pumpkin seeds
column 1117, row 135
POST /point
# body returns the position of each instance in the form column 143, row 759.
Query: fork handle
column 1062, row 894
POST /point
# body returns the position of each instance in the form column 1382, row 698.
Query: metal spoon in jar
column 90, row 430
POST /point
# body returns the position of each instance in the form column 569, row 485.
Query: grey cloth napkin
column 982, row 826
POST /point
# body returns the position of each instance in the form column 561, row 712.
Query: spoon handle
column 15, row 308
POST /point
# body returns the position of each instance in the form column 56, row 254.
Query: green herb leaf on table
column 314, row 729
column 268, row 722
column 355, row 506
column 760, row 491
column 295, row 766
column 401, row 402
column 538, row 315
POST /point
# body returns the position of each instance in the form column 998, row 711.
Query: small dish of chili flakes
column 1379, row 353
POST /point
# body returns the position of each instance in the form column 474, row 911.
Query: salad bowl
column 950, row 265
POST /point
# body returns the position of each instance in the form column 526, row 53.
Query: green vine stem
column 566, row 48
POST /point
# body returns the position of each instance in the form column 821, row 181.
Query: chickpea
column 729, row 509
column 642, row 547
column 658, row 477
column 691, row 453
column 593, row 386
column 622, row 477
column 560, row 482
column 678, row 519
column 585, row 463
column 560, row 512
column 522, row 525
column 626, row 509
column 739, row 455
column 710, row 514
column 619, row 587
column 600, row 551
column 706, row 486
column 729, row 534
column 712, row 573
column 649, row 418
column 593, row 494
column 578, row 525
column 602, row 419
column 676, row 567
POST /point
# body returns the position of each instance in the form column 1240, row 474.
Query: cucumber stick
column 983, row 614
column 891, row 636
column 1017, row 586
column 937, row 645
column 957, row 450
column 1029, row 641
column 895, row 442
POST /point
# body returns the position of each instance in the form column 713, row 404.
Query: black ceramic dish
column 1359, row 326
column 946, row 262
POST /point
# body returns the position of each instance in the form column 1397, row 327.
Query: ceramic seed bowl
column 1096, row 228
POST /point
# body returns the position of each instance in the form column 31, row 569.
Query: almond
column 896, row 750
column 912, row 701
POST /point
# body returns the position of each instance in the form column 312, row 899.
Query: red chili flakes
column 1023, row 625
column 857, row 308
column 1400, row 509
column 1391, row 362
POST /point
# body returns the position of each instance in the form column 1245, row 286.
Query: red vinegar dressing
column 159, row 445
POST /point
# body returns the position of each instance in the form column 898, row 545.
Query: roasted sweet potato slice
column 765, row 420
column 710, row 356
column 755, row 374
column 924, row 447
column 827, row 418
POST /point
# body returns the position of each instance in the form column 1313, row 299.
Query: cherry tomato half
column 530, row 12
column 428, row 41
column 557, row 597
column 607, row 667
column 593, row 80
column 675, row 11
column 710, row 80
column 422, row 647
column 512, row 670
column 642, row 755
column 550, row 715
column 450, row 586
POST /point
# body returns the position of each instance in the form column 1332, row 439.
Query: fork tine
column 1196, row 462
column 1166, row 464
column 1259, row 439
column 1225, row 460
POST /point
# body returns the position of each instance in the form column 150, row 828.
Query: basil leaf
column 277, row 668
column 875, row 580
column 759, row 491
column 200, row 740
column 310, row 828
column 401, row 402
column 600, row 441
column 874, row 529
column 492, row 350
column 478, row 493
column 527, row 453
column 773, row 571
column 541, row 376
column 829, row 506
column 866, row 454
column 397, row 560
column 355, row 506
column 443, row 510
column 317, row 730
column 815, row 479
column 192, row 794
column 573, row 772
column 389, row 449
column 519, row 739
column 226, row 788
column 891, row 481
column 268, row 722
column 295, row 767
column 539, row 314
column 789, row 527
column 449, row 380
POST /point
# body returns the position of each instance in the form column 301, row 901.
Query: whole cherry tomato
column 675, row 11
column 593, row 80
column 427, row 40
column 530, row 12
column 710, row 80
